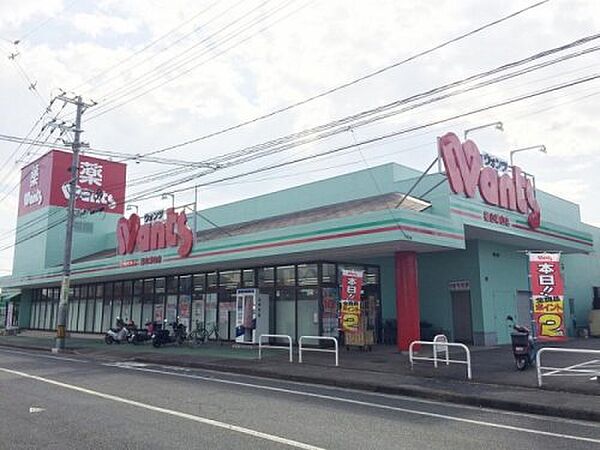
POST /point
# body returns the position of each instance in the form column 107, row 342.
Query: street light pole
column 541, row 148
column 497, row 125
column 61, row 322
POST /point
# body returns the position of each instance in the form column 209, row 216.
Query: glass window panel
column 32, row 320
column 308, row 312
column 266, row 277
column 41, row 318
column 107, row 317
column 148, row 286
column 108, row 291
column 99, row 291
column 118, row 291
column 230, row 279
column 81, row 315
column 73, row 315
column 211, row 280
column 159, row 307
column 248, row 278
column 307, row 275
column 116, row 310
column 54, row 314
column 198, row 311
column 89, row 315
column 285, row 312
column 185, row 284
column 147, row 314
column 127, row 298
column 159, row 285
column 48, row 316
column 227, row 319
column 328, row 273
column 286, row 276
column 185, row 303
column 137, row 287
column 199, row 284
column 171, row 313
column 211, row 310
column 136, row 311
column 371, row 276
column 98, row 315
column 171, row 285
column 329, row 311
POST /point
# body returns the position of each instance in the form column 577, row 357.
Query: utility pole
column 61, row 322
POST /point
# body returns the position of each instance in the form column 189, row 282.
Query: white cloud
column 98, row 24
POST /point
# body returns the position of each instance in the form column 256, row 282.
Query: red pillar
column 407, row 299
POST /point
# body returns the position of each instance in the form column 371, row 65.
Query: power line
column 355, row 81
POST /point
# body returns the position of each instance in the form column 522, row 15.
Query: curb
column 403, row 390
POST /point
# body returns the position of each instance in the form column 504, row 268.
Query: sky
column 163, row 73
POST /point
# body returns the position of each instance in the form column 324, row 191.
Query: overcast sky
column 213, row 64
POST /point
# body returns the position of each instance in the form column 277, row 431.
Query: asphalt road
column 52, row 402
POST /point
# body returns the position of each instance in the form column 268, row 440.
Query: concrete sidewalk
column 495, row 384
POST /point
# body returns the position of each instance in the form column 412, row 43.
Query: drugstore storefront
column 430, row 253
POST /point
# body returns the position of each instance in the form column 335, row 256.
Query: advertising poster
column 547, row 295
column 350, row 300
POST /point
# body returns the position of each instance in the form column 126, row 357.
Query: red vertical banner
column 350, row 300
column 547, row 296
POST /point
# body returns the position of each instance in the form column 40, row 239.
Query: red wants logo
column 131, row 236
column 465, row 171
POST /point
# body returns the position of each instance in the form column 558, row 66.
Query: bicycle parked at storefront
column 202, row 334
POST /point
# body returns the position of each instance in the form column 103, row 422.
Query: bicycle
column 202, row 334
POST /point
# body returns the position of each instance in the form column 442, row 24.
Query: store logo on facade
column 173, row 232
column 466, row 172
column 34, row 195
column 90, row 190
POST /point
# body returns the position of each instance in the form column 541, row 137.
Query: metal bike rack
column 440, row 341
column 281, row 347
column 449, row 361
column 319, row 338
column 585, row 369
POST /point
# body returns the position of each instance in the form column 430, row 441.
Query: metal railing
column 449, row 361
column 440, row 346
column 585, row 369
column 319, row 338
column 280, row 347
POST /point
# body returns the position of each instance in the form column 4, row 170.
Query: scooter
column 118, row 334
column 163, row 336
column 523, row 345
column 139, row 336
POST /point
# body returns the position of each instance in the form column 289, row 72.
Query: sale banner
column 350, row 300
column 547, row 291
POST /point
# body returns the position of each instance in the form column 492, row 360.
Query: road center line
column 203, row 420
column 368, row 404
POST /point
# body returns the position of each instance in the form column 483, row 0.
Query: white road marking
column 373, row 405
column 574, row 366
column 35, row 409
column 63, row 358
column 203, row 420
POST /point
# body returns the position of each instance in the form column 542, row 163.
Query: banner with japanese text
column 547, row 296
column 350, row 300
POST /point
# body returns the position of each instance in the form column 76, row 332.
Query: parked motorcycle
column 163, row 336
column 523, row 345
column 118, row 334
column 139, row 336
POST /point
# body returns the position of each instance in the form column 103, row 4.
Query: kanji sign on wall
column 350, row 300
column 45, row 182
column 547, row 293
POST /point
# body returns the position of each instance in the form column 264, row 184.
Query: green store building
column 434, row 261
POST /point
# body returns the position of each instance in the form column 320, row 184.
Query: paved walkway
column 496, row 383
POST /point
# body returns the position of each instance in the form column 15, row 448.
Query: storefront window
column 81, row 313
column 197, row 311
column 266, row 277
column 171, row 285
column 159, row 285
column 211, row 280
column 286, row 276
column 159, row 307
column 136, row 306
column 248, row 278
column 90, row 308
column 185, row 302
column 185, row 284
column 308, row 312
column 371, row 275
column 328, row 274
column 127, row 299
column 107, row 321
column 211, row 310
column 171, row 313
column 199, row 282
column 329, row 311
column 285, row 311
column 307, row 275
column 230, row 279
column 98, row 306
